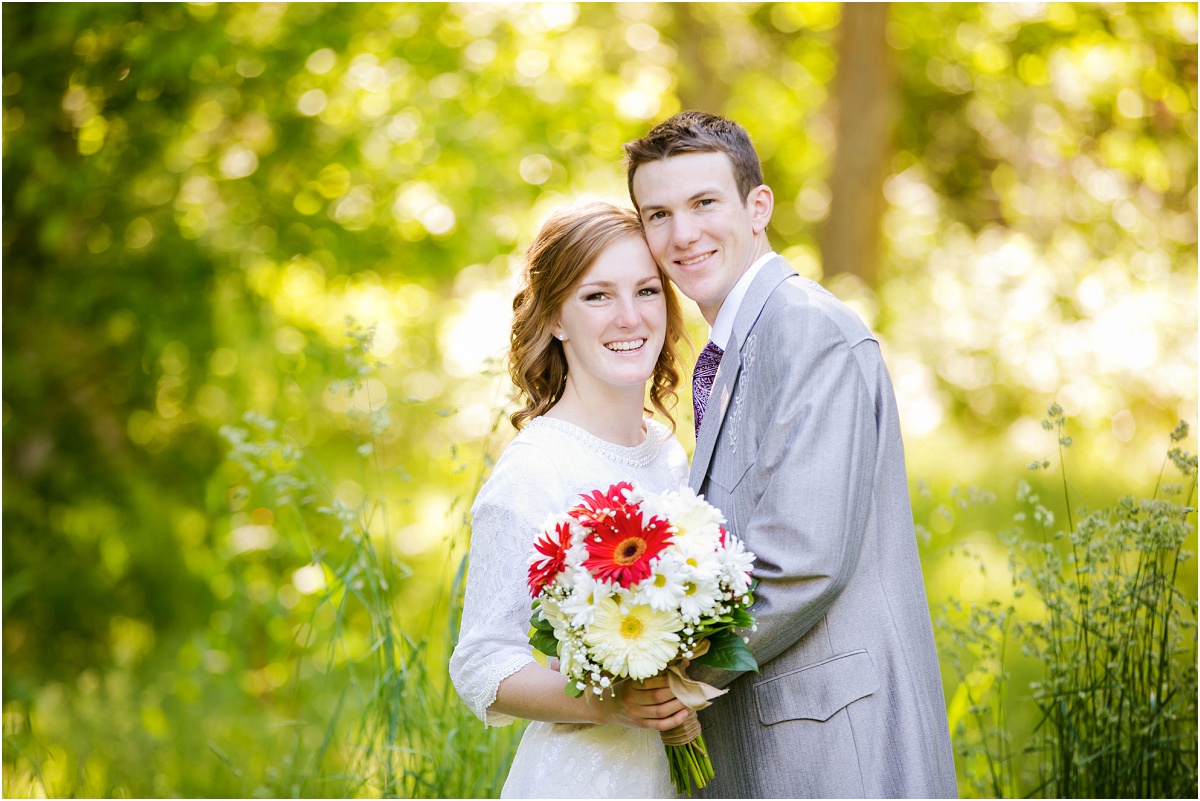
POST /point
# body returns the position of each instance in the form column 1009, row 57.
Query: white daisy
column 736, row 564
column 701, row 594
column 633, row 641
column 704, row 565
column 663, row 589
column 586, row 592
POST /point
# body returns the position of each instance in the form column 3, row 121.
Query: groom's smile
column 693, row 260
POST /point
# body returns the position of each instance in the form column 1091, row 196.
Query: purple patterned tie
column 702, row 380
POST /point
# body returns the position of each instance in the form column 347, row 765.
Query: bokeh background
column 197, row 196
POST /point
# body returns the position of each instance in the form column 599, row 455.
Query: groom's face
column 702, row 233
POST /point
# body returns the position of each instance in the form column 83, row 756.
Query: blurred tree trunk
column 864, row 113
column 700, row 87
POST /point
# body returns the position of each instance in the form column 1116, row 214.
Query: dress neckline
column 639, row 455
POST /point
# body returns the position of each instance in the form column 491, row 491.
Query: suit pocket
column 816, row 691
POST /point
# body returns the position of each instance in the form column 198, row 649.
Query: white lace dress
column 542, row 473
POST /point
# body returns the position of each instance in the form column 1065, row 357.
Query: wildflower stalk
column 1116, row 642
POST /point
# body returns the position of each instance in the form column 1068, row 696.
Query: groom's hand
column 648, row 704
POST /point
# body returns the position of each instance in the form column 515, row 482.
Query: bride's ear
column 557, row 330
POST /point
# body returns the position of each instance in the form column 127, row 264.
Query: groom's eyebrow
column 648, row 207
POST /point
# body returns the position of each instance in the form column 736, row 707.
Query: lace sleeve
column 494, row 636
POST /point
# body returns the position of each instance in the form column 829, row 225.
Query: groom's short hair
column 697, row 132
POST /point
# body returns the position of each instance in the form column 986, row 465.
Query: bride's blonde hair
column 566, row 248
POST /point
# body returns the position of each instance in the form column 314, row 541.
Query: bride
column 594, row 321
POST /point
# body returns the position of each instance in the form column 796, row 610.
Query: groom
column 798, row 443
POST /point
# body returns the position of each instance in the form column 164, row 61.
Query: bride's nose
column 626, row 313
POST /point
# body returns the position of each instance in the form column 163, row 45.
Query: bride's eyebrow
column 650, row 279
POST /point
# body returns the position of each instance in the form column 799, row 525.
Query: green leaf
column 542, row 638
column 741, row 618
column 538, row 622
column 545, row 642
column 573, row 689
column 727, row 651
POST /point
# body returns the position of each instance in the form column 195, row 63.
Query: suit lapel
column 770, row 276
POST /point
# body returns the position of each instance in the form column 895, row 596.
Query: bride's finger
column 661, row 711
column 654, row 683
column 650, row 697
column 667, row 723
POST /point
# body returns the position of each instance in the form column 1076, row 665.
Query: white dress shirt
column 723, row 326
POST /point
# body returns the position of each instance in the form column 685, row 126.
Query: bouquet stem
column 687, row 756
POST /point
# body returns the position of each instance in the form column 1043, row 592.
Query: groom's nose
column 684, row 231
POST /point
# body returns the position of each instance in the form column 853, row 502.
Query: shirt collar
column 723, row 326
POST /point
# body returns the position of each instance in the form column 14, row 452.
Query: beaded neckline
column 637, row 456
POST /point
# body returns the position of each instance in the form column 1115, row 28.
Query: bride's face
column 613, row 323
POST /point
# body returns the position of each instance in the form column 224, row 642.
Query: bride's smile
column 626, row 347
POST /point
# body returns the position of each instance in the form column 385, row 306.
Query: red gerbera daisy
column 620, row 544
column 544, row 571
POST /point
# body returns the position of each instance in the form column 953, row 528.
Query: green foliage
column 728, row 651
column 413, row 737
column 1113, row 634
column 1012, row 262
column 543, row 638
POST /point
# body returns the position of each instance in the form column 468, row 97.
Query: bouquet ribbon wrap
column 695, row 695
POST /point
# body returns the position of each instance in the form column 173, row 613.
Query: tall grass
column 401, row 726
column 1099, row 608
column 344, row 692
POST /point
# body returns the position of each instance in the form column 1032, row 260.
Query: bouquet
column 629, row 584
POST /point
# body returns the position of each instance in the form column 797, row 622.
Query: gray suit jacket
column 800, row 448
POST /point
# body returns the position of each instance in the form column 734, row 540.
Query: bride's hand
column 648, row 704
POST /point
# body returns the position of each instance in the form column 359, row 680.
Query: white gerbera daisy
column 586, row 592
column 697, row 523
column 633, row 641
